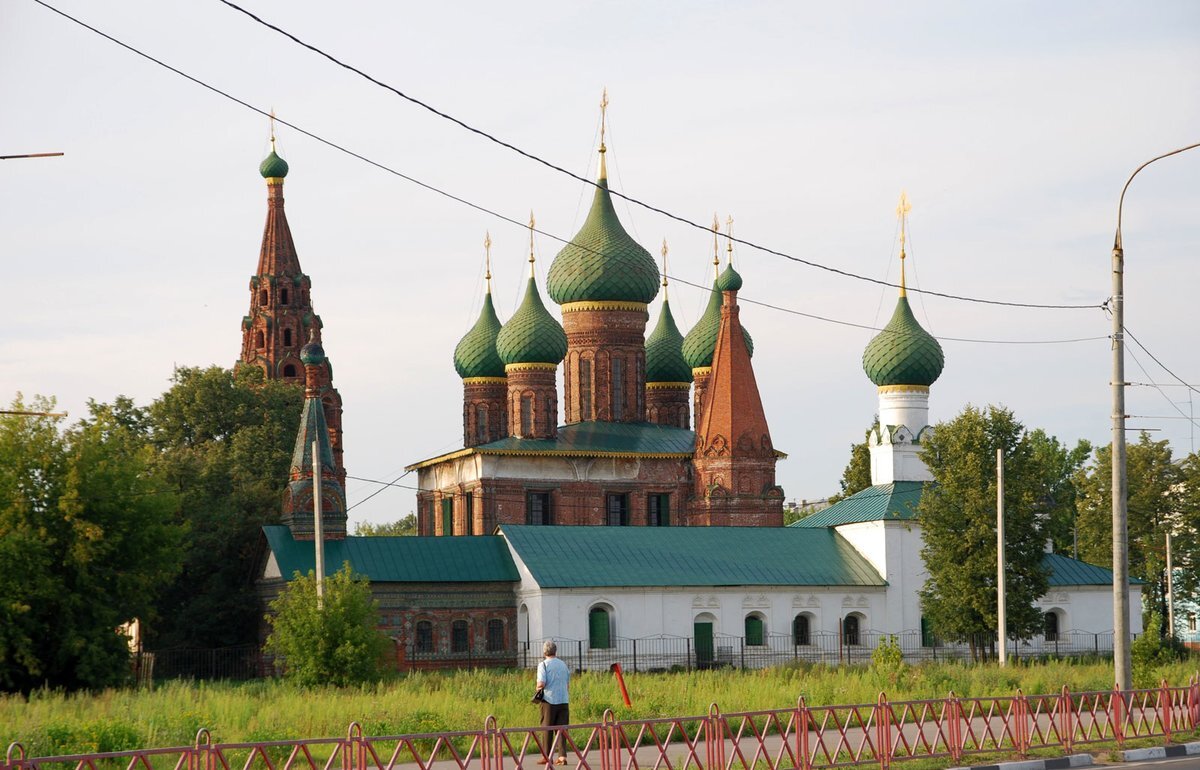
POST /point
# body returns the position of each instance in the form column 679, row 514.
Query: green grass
column 53, row 723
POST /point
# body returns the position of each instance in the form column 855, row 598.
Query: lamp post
column 1123, row 667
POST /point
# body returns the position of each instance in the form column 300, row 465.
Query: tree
column 1155, row 499
column 89, row 523
column 1060, row 467
column 857, row 474
column 958, row 519
column 224, row 440
column 338, row 644
column 402, row 527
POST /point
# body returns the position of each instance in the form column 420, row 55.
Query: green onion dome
column 729, row 280
column 701, row 342
column 273, row 167
column 664, row 351
column 531, row 336
column 903, row 353
column 602, row 261
column 475, row 355
column 312, row 354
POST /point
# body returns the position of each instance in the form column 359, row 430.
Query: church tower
column 298, row 498
column 735, row 459
column 668, row 377
column 903, row 360
column 281, row 317
column 485, row 388
column 604, row 280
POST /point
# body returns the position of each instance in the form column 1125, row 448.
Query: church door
column 703, row 633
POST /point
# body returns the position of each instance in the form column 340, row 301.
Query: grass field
column 51, row 723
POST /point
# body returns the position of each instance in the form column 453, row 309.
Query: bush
column 337, row 645
column 1150, row 652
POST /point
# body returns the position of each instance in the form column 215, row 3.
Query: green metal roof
column 1065, row 571
column 478, row 559
column 532, row 336
column 700, row 343
column 895, row 501
column 273, row 166
column 664, row 351
column 903, row 353
column 475, row 355
column 602, row 261
column 567, row 557
column 729, row 279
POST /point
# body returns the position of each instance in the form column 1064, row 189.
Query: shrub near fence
column 802, row 737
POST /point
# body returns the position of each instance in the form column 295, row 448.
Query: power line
column 649, row 207
column 1162, row 393
column 1178, row 379
column 523, row 225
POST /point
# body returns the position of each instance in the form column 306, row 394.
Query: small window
column 618, row 389
column 658, row 510
column 617, row 507
column 537, row 508
column 459, row 641
column 424, row 641
column 283, row 296
column 289, row 370
column 260, row 339
column 495, row 635
column 481, row 423
column 850, row 631
column 262, row 297
column 585, row 389
column 1191, row 620
column 801, row 633
column 469, row 513
column 447, row 515
column 1051, row 620
column 431, row 522
column 287, row 337
column 754, row 631
column 599, row 629
column 527, row 415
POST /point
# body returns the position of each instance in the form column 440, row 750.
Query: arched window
column 481, row 423
column 755, row 630
column 495, row 635
column 599, row 629
column 459, row 639
column 260, row 339
column 424, row 640
column 287, row 336
column 617, row 389
column 585, row 389
column 801, row 633
column 289, row 370
column 850, row 630
column 262, row 297
column 527, row 415
column 283, row 296
column 523, row 625
column 1051, row 627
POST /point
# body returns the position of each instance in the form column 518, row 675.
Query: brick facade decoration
column 668, row 403
column 605, row 370
column 735, row 458
column 700, row 377
column 485, row 416
column 532, row 400
column 281, row 318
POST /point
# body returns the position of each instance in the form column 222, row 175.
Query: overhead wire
column 524, row 225
column 649, row 207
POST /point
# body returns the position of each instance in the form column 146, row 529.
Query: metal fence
column 242, row 662
column 802, row 737
column 665, row 653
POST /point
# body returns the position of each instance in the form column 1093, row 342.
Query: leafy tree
column 402, row 527
column 224, row 441
column 338, row 644
column 87, row 524
column 958, row 519
column 1154, row 507
column 1060, row 467
column 857, row 474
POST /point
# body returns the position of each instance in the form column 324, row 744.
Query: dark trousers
column 554, row 714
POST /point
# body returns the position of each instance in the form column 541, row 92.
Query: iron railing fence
column 241, row 662
column 665, row 653
column 800, row 737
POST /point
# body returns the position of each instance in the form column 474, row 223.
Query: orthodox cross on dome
column 272, row 119
column 603, row 128
column 716, row 228
column 729, row 237
column 664, row 270
column 902, row 210
column 532, row 224
column 487, row 259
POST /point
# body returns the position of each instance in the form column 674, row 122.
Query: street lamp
column 1120, row 516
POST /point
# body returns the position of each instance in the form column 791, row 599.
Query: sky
column 1012, row 126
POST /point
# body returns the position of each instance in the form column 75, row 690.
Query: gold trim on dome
column 668, row 385
column 483, row 380
column 530, row 367
column 701, row 371
column 574, row 307
column 903, row 388
column 274, row 180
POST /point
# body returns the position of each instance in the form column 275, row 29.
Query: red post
column 1194, row 702
column 714, row 738
column 1165, row 710
column 803, row 718
column 883, row 726
column 1116, row 715
column 616, row 669
column 1066, row 722
column 953, row 727
column 1021, row 728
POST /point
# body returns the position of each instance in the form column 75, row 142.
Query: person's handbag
column 539, row 696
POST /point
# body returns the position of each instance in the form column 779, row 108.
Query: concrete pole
column 1122, row 663
column 1001, row 599
column 318, row 525
column 1170, row 591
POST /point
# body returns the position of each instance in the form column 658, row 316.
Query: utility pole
column 318, row 526
column 1122, row 663
column 1001, row 599
column 1170, row 590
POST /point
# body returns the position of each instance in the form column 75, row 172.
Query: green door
column 598, row 634
column 447, row 516
column 754, row 631
column 703, row 634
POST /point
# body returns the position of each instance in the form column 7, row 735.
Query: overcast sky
column 1011, row 125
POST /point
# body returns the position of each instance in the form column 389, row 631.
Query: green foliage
column 224, row 441
column 1152, row 652
column 958, row 519
column 1060, row 467
column 857, row 474
column 88, row 520
column 887, row 659
column 405, row 526
column 338, row 644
